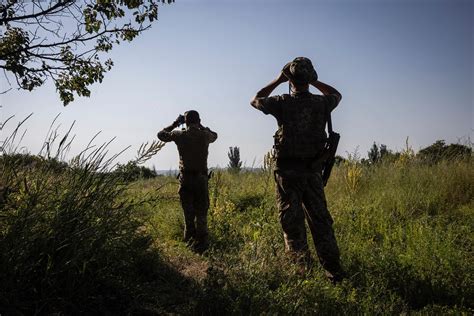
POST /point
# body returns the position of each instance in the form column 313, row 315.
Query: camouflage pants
column 194, row 196
column 301, row 195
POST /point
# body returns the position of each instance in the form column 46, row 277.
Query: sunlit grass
column 79, row 238
column 405, row 233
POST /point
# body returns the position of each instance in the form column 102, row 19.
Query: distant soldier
column 192, row 143
column 299, row 143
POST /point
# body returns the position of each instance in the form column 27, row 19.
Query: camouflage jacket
column 301, row 119
column 193, row 143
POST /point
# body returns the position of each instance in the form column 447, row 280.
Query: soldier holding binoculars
column 193, row 143
column 300, row 143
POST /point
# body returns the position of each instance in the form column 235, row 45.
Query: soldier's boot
column 328, row 254
column 331, row 263
column 297, row 248
column 202, row 234
column 334, row 271
column 335, row 277
column 302, row 260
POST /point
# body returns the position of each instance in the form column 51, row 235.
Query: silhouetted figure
column 299, row 144
column 192, row 143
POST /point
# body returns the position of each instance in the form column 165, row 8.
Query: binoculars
column 180, row 120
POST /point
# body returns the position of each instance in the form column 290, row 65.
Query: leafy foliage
column 440, row 151
column 28, row 161
column 63, row 40
column 131, row 171
column 435, row 153
column 380, row 153
column 373, row 153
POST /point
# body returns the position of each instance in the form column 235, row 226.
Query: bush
column 440, row 151
column 70, row 242
column 132, row 172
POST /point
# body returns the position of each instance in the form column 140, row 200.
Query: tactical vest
column 301, row 127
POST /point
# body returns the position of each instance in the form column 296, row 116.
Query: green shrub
column 71, row 241
column 68, row 243
column 131, row 171
column 439, row 151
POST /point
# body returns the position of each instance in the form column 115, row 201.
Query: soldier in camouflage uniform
column 299, row 142
column 192, row 143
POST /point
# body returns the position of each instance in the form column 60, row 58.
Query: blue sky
column 404, row 68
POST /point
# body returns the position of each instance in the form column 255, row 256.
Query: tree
column 374, row 154
column 440, row 151
column 234, row 159
column 61, row 40
column 379, row 153
column 383, row 151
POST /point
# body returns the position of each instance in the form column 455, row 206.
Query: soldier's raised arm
column 327, row 90
column 267, row 90
column 166, row 134
column 212, row 136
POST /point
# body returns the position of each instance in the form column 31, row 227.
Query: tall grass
column 404, row 229
column 70, row 241
column 76, row 239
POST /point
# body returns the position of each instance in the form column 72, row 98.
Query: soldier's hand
column 282, row 78
column 179, row 120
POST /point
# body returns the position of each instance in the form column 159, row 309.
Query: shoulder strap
column 329, row 122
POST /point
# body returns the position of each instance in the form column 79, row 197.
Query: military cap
column 300, row 70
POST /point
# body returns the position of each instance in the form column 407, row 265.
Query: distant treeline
column 128, row 172
column 436, row 152
column 131, row 171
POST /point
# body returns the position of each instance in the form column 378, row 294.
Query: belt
column 193, row 172
column 298, row 164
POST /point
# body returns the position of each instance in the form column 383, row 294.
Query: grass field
column 78, row 241
column 405, row 233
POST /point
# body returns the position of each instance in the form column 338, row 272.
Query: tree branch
column 50, row 10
